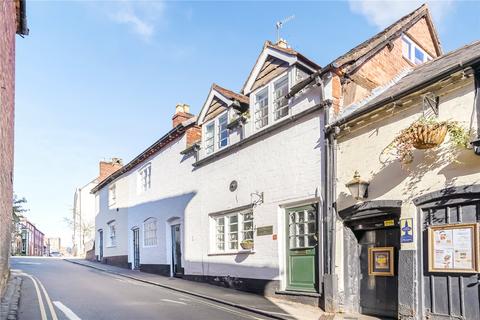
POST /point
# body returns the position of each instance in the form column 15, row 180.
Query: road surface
column 56, row 289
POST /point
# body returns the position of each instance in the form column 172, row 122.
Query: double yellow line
column 38, row 285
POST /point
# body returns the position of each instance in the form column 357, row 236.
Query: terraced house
column 266, row 191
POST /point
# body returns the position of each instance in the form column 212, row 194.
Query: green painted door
column 302, row 248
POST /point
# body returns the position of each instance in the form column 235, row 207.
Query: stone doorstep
column 11, row 299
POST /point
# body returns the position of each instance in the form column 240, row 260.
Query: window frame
column 112, row 239
column 412, row 48
column 240, row 231
column 112, row 195
column 143, row 187
column 219, row 130
column 150, row 221
column 206, row 146
column 215, row 140
column 270, row 87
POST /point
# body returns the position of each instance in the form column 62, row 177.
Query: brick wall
column 7, row 89
column 385, row 65
column 194, row 134
column 106, row 168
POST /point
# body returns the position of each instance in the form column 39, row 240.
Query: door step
column 310, row 298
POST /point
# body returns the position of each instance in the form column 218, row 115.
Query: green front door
column 302, row 248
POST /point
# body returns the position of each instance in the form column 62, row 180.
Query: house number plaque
column 265, row 231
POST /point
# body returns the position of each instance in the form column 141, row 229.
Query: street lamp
column 358, row 187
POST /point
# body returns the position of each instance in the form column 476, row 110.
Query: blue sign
column 406, row 230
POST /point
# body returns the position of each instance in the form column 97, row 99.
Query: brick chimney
column 182, row 113
column 109, row 167
column 282, row 43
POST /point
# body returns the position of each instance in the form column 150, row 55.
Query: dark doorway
column 378, row 294
column 100, row 236
column 136, row 248
column 177, row 251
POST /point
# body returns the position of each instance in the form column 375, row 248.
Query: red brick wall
column 7, row 89
column 385, row 65
column 179, row 117
column 194, row 134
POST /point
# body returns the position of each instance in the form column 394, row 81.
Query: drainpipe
column 476, row 142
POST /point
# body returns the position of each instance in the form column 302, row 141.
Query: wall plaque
column 265, row 231
column 453, row 248
column 406, row 230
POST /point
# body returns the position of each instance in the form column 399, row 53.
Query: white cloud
column 383, row 13
column 141, row 16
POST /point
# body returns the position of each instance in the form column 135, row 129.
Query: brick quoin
column 8, row 28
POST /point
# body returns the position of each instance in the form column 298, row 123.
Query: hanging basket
column 426, row 136
column 246, row 245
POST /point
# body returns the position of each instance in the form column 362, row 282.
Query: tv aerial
column 279, row 25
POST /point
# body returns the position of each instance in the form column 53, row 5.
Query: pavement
column 57, row 289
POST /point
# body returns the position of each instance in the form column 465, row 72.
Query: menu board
column 453, row 248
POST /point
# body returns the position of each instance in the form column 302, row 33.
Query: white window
column 112, row 237
column 150, row 232
column 232, row 229
column 112, row 195
column 222, row 130
column 413, row 52
column 261, row 109
column 209, row 138
column 144, row 178
column 280, row 103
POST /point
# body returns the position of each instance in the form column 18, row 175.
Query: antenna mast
column 280, row 24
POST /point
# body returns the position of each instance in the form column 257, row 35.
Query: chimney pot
column 182, row 113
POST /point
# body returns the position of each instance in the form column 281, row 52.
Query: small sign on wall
column 265, row 231
column 406, row 230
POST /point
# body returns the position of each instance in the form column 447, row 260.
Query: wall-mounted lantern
column 358, row 187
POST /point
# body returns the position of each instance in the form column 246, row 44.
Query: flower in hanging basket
column 247, row 244
column 427, row 133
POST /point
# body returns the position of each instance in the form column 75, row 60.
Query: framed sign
column 453, row 248
column 381, row 261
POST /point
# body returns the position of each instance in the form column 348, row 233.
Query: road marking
column 39, row 295
column 49, row 302
column 28, row 263
column 173, row 301
column 66, row 310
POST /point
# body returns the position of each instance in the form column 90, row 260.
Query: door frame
column 100, row 247
column 169, row 243
column 285, row 218
column 135, row 230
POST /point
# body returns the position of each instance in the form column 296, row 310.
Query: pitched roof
column 150, row 151
column 268, row 45
column 230, row 94
column 420, row 77
column 391, row 32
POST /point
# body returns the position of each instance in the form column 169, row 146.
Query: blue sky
column 101, row 79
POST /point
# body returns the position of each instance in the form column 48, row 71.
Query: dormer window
column 209, row 137
column 412, row 52
column 222, row 130
column 280, row 103
column 261, row 109
column 267, row 112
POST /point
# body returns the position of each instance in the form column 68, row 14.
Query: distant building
column 12, row 21
column 84, row 209
column 32, row 239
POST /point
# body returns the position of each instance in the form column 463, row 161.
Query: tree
column 18, row 210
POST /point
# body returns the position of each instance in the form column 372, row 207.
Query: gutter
column 179, row 129
column 458, row 67
column 23, row 19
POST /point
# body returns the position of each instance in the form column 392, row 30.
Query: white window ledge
column 232, row 253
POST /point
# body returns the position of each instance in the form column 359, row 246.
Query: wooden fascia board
column 213, row 93
column 268, row 51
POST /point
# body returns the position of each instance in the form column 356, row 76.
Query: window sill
column 112, row 246
column 232, row 253
column 154, row 246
